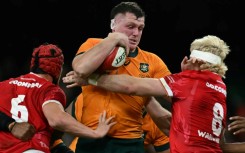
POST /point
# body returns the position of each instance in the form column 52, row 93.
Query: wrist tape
column 93, row 78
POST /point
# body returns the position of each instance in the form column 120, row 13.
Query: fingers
column 184, row 63
column 193, row 59
column 237, row 125
column 185, row 59
column 237, row 118
column 112, row 123
column 239, row 131
column 196, row 60
column 127, row 49
column 237, row 121
column 74, row 80
column 70, row 73
column 108, row 121
column 102, row 116
column 68, row 79
column 72, row 85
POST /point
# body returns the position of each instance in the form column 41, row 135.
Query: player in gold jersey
column 127, row 24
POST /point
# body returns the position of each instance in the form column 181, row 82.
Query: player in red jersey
column 37, row 99
column 198, row 96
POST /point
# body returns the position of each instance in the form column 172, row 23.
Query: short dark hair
column 124, row 7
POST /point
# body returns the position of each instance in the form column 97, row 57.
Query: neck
column 133, row 50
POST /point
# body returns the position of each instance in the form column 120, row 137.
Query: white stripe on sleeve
column 51, row 101
column 167, row 88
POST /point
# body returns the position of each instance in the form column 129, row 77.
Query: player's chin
column 133, row 46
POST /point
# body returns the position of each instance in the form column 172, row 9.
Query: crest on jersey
column 144, row 67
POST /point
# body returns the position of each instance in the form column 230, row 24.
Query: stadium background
column 170, row 28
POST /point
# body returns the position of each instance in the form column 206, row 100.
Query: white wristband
column 93, row 78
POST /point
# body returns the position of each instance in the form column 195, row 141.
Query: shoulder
column 153, row 58
column 54, row 92
column 149, row 54
column 89, row 43
column 50, row 87
column 94, row 40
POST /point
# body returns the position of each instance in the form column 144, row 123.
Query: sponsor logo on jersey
column 217, row 88
column 208, row 136
column 25, row 84
column 144, row 67
column 119, row 59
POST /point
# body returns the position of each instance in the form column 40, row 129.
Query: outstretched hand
column 104, row 124
column 73, row 80
column 237, row 125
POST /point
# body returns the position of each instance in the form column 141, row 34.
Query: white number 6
column 19, row 112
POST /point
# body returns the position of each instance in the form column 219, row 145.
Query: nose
column 135, row 31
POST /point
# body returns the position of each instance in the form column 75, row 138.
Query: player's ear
column 112, row 24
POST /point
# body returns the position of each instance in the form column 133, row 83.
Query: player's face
column 131, row 26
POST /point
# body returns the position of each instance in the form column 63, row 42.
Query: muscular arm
column 62, row 121
column 56, row 144
column 159, row 115
column 86, row 63
column 131, row 85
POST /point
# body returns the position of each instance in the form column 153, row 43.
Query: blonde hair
column 216, row 46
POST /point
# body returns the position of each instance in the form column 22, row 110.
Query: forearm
column 62, row 121
column 66, row 123
column 159, row 115
column 115, row 83
column 131, row 85
column 89, row 61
